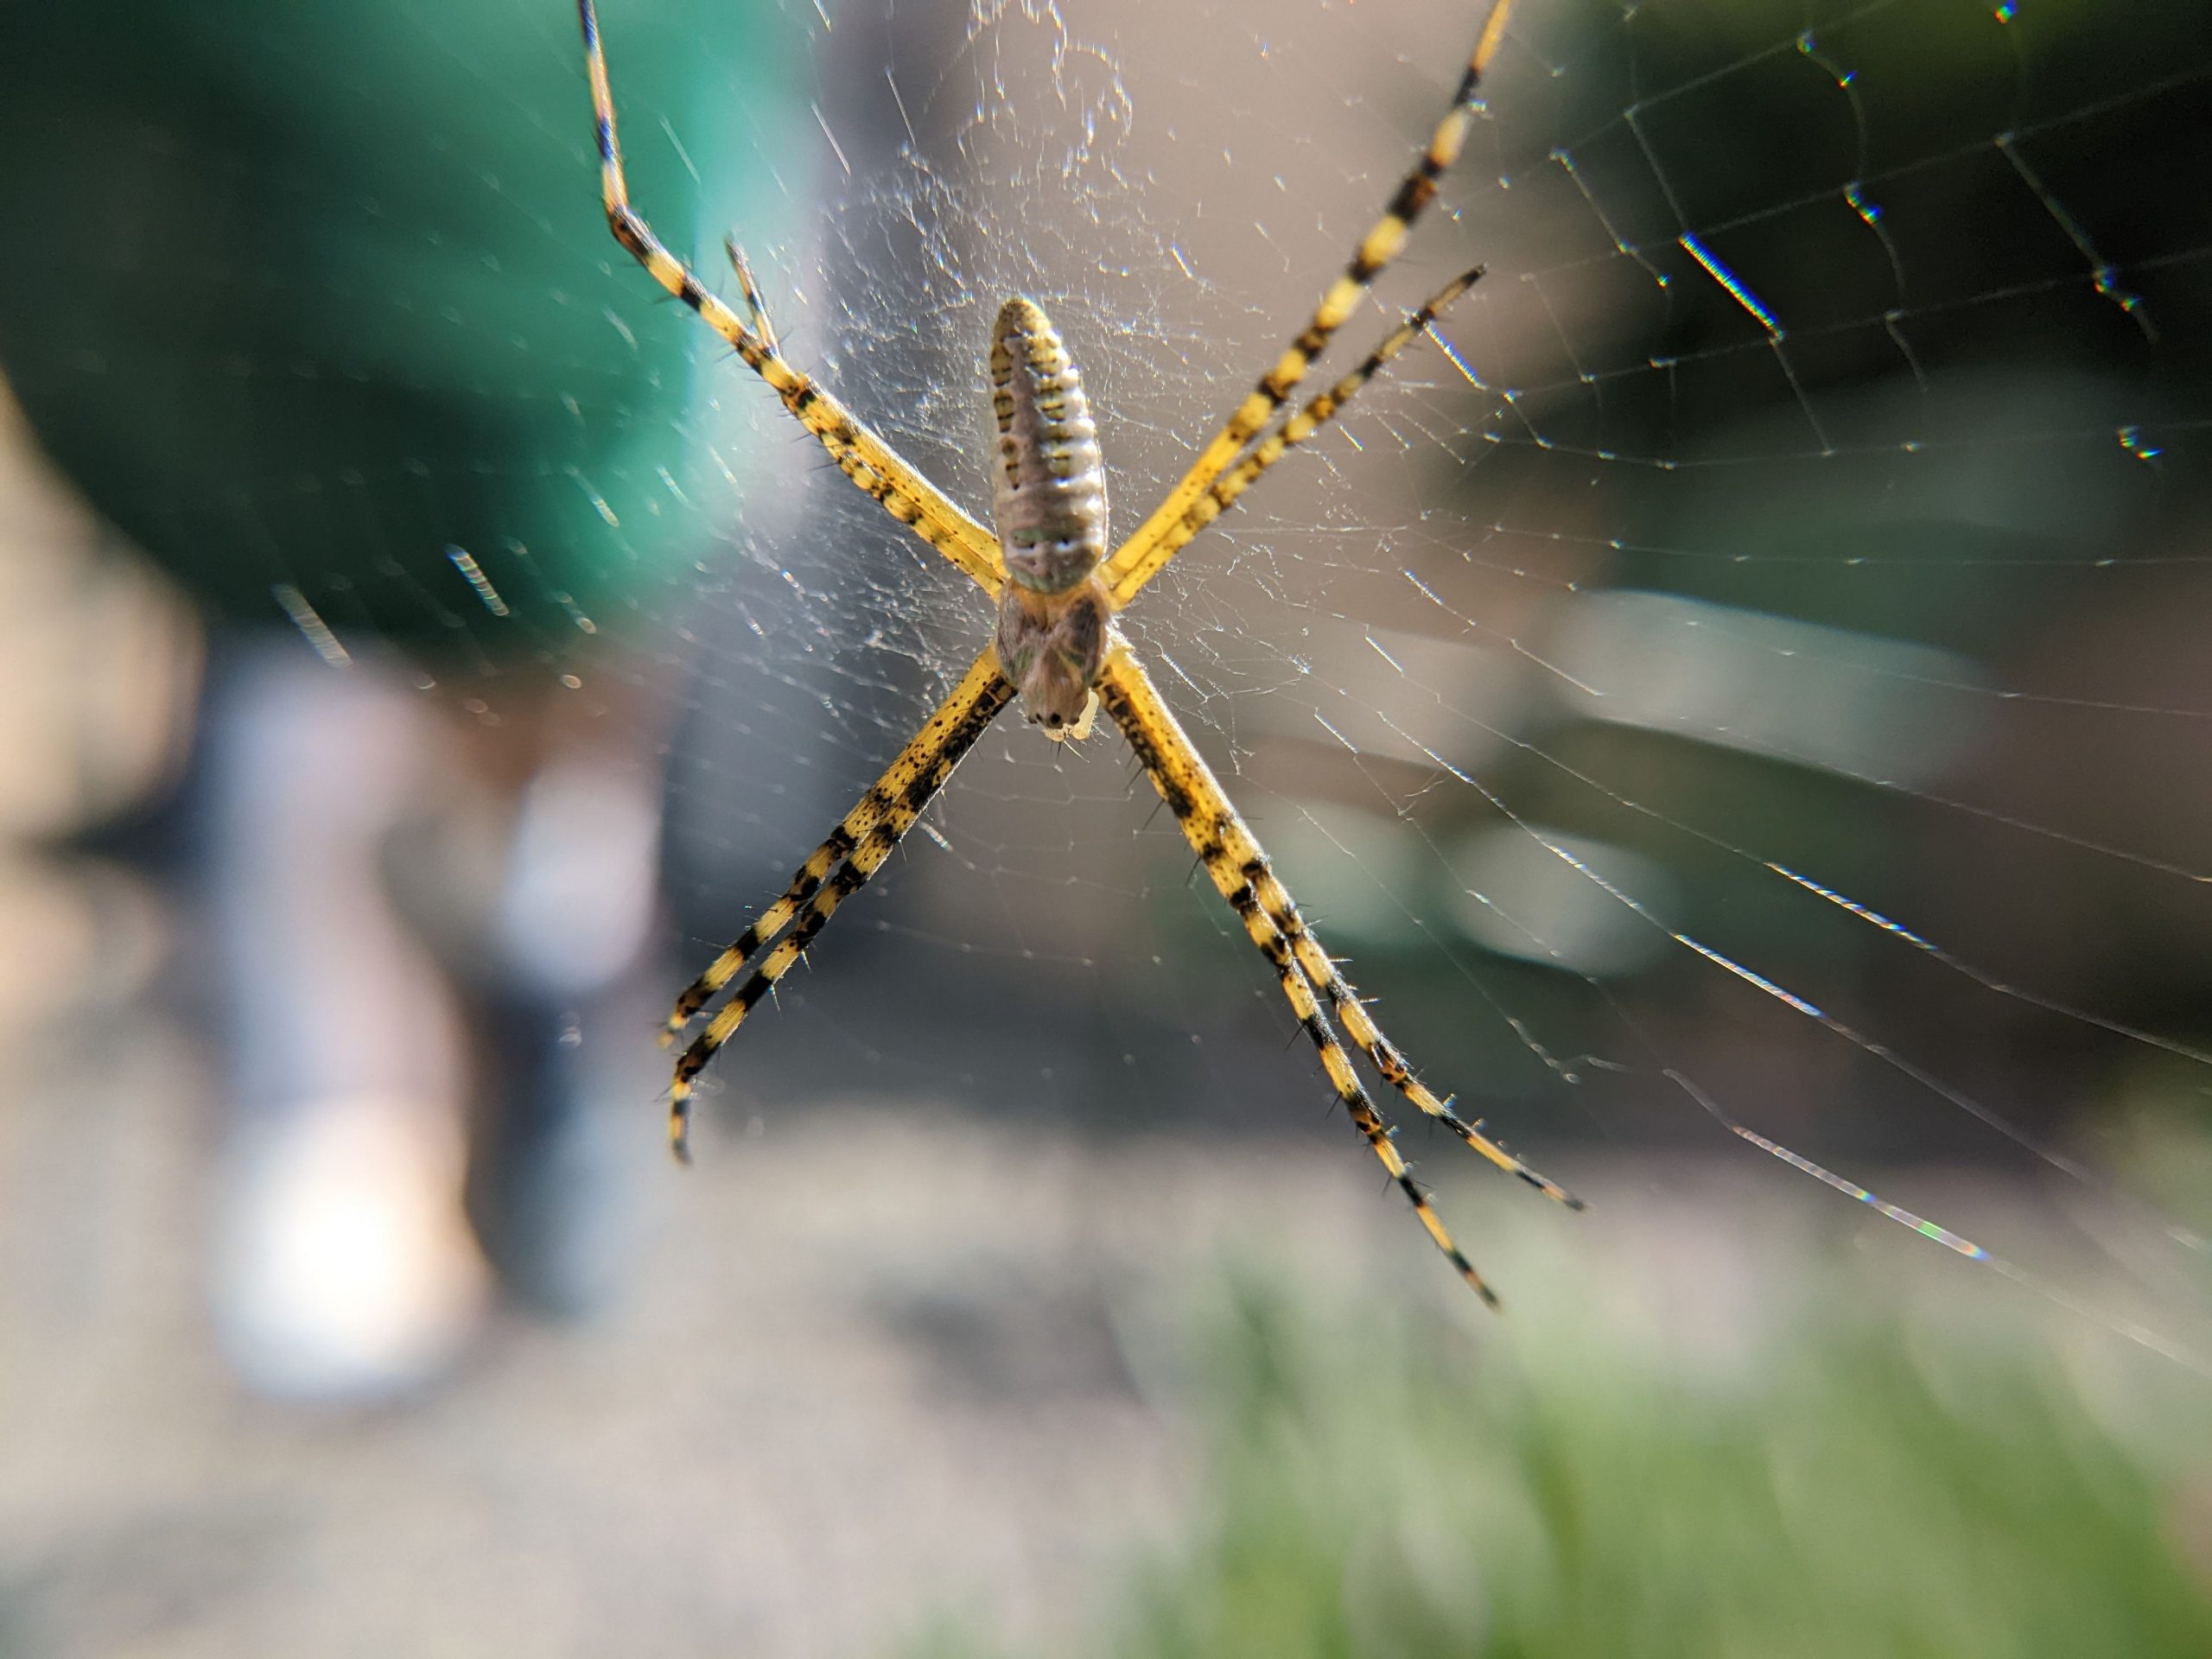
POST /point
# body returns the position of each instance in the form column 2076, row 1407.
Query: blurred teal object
column 319, row 300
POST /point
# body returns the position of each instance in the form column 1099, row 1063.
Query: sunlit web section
column 1753, row 648
column 1745, row 668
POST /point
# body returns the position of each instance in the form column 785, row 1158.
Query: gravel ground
column 874, row 1366
column 870, row 1369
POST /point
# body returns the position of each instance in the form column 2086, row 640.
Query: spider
column 1057, row 585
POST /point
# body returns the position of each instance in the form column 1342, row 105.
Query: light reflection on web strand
column 1728, row 279
column 1904, row 1218
column 317, row 632
column 1843, row 901
column 1980, row 977
column 1874, row 1049
column 1869, row 211
column 2130, row 1329
column 2186, row 1237
column 1741, row 291
column 1511, row 397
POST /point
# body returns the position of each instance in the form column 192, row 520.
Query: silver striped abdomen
column 1050, row 500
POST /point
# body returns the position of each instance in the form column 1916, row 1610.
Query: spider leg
column 1320, row 969
column 889, row 811
column 1257, row 885
column 1139, row 557
column 1212, row 827
column 851, row 831
column 866, row 459
column 1222, row 494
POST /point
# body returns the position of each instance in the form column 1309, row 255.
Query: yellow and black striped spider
column 1058, row 587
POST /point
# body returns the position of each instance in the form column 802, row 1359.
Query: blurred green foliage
column 313, row 294
column 1375, row 1487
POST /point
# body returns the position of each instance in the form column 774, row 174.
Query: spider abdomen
column 1050, row 499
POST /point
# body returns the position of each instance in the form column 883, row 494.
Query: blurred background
column 1738, row 695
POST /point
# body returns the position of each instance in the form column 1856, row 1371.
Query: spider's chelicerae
column 1058, row 585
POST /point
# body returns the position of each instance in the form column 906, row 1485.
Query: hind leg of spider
column 852, row 829
column 1222, row 494
column 1139, row 556
column 1240, row 866
column 866, row 459
column 1176, row 771
column 939, row 748
column 1274, row 901
column 1335, row 1063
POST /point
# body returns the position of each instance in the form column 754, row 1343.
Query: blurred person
column 330, row 372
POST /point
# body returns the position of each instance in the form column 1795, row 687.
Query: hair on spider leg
column 1130, row 787
column 753, row 303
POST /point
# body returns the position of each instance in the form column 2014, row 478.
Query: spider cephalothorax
column 1057, row 587
column 1050, row 505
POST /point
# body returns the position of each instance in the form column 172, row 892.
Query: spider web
column 1739, row 685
